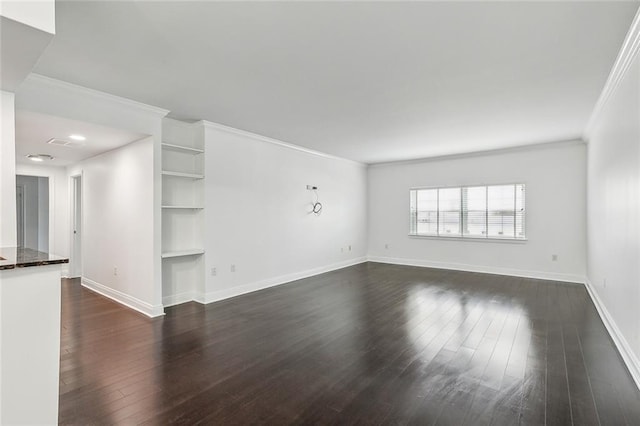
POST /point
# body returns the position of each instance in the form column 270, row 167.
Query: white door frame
column 52, row 204
column 76, row 222
column 20, row 214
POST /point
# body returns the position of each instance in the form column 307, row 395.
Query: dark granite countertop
column 15, row 257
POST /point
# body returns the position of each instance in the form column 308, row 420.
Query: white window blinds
column 474, row 211
column 494, row 211
column 449, row 208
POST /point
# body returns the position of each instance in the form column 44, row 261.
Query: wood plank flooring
column 369, row 344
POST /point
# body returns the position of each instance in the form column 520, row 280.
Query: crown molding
column 233, row 130
column 41, row 80
column 506, row 150
column 181, row 123
column 625, row 58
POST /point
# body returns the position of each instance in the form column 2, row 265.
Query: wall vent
column 63, row 142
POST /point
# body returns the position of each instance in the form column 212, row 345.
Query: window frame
column 462, row 236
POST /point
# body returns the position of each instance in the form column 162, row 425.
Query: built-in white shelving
column 180, row 148
column 182, row 211
column 183, row 207
column 182, row 174
column 180, row 253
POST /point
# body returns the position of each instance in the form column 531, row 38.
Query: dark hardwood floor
column 369, row 344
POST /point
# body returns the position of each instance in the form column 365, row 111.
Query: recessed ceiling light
column 39, row 157
column 78, row 137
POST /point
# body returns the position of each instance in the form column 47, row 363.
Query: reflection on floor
column 372, row 343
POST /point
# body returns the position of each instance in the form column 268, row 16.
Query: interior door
column 75, row 267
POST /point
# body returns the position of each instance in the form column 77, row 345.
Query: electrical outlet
column 213, row 272
column 554, row 257
column 386, row 246
column 233, row 268
column 349, row 248
column 115, row 270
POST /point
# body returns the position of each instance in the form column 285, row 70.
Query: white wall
column 118, row 225
column 555, row 218
column 58, row 204
column 30, row 355
column 27, row 29
column 614, row 212
column 39, row 14
column 7, row 170
column 258, row 215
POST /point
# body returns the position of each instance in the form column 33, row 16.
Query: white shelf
column 183, row 184
column 183, row 207
column 179, row 253
column 180, row 148
column 182, row 174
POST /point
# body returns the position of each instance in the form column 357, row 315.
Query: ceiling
column 372, row 82
column 33, row 130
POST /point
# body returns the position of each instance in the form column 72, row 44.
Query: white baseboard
column 122, row 298
column 218, row 295
column 629, row 357
column 176, row 299
column 555, row 276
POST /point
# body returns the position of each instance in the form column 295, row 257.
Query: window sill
column 472, row 239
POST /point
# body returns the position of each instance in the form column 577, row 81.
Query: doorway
column 75, row 261
column 32, row 212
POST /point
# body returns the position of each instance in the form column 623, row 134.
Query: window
column 495, row 211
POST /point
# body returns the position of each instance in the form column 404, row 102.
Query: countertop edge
column 32, row 264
